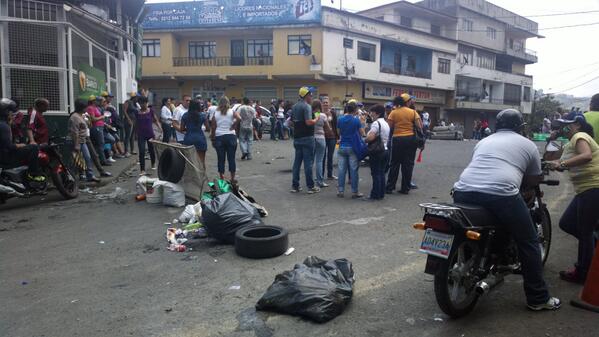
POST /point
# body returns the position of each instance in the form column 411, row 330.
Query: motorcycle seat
column 478, row 216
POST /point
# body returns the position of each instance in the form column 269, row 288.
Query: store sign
column 92, row 81
column 214, row 13
column 389, row 92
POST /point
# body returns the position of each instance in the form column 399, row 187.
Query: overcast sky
column 567, row 57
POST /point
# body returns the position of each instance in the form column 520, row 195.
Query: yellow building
column 341, row 54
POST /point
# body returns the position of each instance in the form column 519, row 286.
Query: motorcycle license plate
column 436, row 244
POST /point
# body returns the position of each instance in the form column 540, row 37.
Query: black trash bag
column 316, row 289
column 226, row 214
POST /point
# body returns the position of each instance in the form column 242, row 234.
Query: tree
column 543, row 105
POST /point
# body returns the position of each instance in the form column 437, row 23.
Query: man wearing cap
column 303, row 140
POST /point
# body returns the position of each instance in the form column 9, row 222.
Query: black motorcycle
column 13, row 181
column 469, row 255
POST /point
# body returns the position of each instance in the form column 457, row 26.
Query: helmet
column 7, row 105
column 510, row 119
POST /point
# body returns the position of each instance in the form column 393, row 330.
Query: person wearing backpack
column 379, row 153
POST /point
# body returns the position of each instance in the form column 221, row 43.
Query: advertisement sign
column 92, row 81
column 215, row 13
column 389, row 92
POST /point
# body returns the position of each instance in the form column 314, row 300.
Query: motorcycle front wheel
column 455, row 281
column 66, row 183
column 543, row 227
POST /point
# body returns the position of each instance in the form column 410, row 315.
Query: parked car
column 264, row 116
column 447, row 133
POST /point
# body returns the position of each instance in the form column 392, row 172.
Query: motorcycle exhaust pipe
column 9, row 191
column 484, row 286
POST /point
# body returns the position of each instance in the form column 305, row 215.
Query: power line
column 568, row 70
column 587, row 75
column 553, row 14
column 578, row 86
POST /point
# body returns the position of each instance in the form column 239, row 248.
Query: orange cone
column 589, row 297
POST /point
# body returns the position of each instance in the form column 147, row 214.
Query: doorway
column 237, row 53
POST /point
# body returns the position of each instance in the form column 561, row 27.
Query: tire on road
column 171, row 166
column 259, row 242
column 66, row 183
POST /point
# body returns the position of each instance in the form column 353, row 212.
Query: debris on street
column 316, row 289
column 226, row 214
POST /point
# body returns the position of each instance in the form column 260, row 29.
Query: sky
column 567, row 57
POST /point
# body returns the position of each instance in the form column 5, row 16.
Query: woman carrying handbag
column 377, row 140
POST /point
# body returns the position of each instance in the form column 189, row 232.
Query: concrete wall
column 478, row 35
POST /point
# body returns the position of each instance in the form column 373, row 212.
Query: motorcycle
column 469, row 255
column 13, row 181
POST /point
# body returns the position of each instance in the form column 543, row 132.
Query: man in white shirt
column 246, row 129
column 178, row 115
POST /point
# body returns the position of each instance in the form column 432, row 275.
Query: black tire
column 442, row 282
column 261, row 242
column 66, row 183
column 545, row 235
column 171, row 166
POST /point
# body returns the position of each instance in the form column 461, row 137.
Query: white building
column 492, row 58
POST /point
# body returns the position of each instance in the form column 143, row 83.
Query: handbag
column 376, row 147
column 418, row 134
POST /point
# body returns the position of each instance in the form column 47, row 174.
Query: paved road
column 98, row 268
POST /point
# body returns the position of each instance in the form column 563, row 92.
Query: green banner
column 92, row 81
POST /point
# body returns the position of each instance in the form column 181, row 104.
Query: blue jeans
column 580, row 220
column 330, row 152
column 348, row 161
column 280, row 127
column 514, row 216
column 226, row 146
column 129, row 136
column 304, row 151
column 319, row 149
column 89, row 171
column 378, row 166
column 167, row 131
column 246, row 138
column 97, row 137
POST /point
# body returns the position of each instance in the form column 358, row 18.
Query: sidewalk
column 118, row 169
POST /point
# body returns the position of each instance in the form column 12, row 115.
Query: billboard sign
column 389, row 92
column 92, row 81
column 216, row 13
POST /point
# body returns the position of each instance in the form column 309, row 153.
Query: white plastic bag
column 141, row 186
column 191, row 214
column 154, row 193
column 172, row 194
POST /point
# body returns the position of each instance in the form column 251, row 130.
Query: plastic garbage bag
column 172, row 194
column 226, row 214
column 316, row 289
column 191, row 214
column 154, row 192
column 142, row 184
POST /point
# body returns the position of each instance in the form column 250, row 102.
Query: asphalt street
column 91, row 267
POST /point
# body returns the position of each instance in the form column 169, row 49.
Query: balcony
column 476, row 103
column 409, row 73
column 222, row 61
column 528, row 55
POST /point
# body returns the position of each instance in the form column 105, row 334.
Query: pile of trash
column 190, row 228
column 155, row 191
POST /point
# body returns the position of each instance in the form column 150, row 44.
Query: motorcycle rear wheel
column 66, row 183
column 543, row 227
column 456, row 278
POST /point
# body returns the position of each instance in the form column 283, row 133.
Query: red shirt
column 37, row 124
column 95, row 112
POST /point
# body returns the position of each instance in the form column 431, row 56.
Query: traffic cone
column 589, row 297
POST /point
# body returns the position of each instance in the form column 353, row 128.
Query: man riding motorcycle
column 500, row 164
column 13, row 155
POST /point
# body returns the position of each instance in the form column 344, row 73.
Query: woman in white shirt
column 223, row 125
column 378, row 162
column 166, row 120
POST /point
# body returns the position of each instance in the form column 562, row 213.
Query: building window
column 151, row 48
column 259, row 48
column 435, row 30
column 405, row 21
column 202, row 49
column 526, row 94
column 299, row 44
column 512, row 94
column 444, row 66
column 467, row 25
column 348, row 43
column 366, row 51
column 465, row 55
column 485, row 60
column 491, row 33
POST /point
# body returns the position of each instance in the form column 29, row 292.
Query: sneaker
column 127, row 154
column 153, row 168
column 404, row 192
column 295, row 190
column 552, row 304
column 111, row 160
column 105, row 174
column 332, row 178
column 413, row 186
column 357, row 195
column 572, row 275
column 314, row 190
column 340, row 195
column 142, row 173
column 93, row 179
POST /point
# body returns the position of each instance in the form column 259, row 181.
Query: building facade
column 491, row 62
column 343, row 55
column 65, row 50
